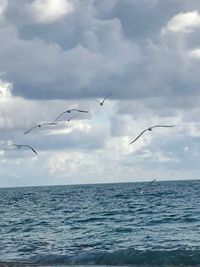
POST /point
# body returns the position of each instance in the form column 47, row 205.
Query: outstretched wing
column 31, row 129
column 80, row 110
column 13, row 145
column 19, row 146
column 150, row 183
column 106, row 97
column 146, row 186
column 58, row 117
column 96, row 100
column 139, row 136
column 41, row 124
column 49, row 123
column 167, row 126
column 30, row 148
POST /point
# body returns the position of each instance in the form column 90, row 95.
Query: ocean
column 102, row 224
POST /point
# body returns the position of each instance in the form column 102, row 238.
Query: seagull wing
column 7, row 148
column 106, row 97
column 58, row 117
column 96, row 100
column 12, row 146
column 48, row 123
column 52, row 123
column 80, row 110
column 152, row 182
column 31, row 129
column 146, row 186
column 30, row 148
column 139, row 136
column 166, row 126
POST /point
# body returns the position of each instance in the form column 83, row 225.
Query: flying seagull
column 102, row 102
column 21, row 146
column 41, row 125
column 145, row 187
column 69, row 111
column 150, row 129
column 150, row 183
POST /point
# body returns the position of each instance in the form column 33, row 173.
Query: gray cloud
column 87, row 52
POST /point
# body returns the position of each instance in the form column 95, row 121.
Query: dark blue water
column 111, row 224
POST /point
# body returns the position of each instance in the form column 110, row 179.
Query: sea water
column 103, row 224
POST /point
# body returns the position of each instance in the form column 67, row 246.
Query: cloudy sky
column 56, row 55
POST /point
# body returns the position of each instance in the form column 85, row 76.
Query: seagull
column 102, row 102
column 40, row 125
column 150, row 129
column 69, row 111
column 149, row 184
column 21, row 146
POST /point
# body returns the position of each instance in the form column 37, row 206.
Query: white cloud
column 48, row 11
column 183, row 22
column 158, row 156
column 194, row 53
column 193, row 129
column 5, row 90
column 59, row 163
column 3, row 5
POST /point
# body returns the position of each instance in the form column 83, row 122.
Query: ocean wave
column 125, row 257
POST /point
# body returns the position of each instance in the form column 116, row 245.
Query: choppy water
column 111, row 224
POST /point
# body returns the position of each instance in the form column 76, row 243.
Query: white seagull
column 69, row 111
column 145, row 187
column 150, row 183
column 102, row 102
column 21, row 146
column 41, row 125
column 150, row 129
